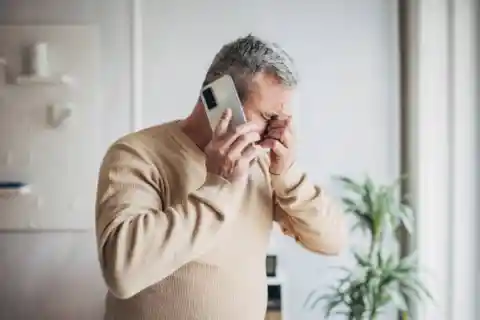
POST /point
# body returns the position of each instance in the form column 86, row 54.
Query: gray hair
column 243, row 58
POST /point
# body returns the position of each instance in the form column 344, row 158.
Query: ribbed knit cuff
column 285, row 182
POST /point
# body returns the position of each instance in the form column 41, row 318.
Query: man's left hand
column 279, row 138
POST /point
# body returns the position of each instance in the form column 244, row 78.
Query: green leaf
column 408, row 263
column 309, row 297
column 350, row 184
column 422, row 288
column 365, row 222
column 381, row 277
column 413, row 287
column 331, row 306
column 321, row 298
column 411, row 292
column 380, row 259
column 369, row 185
column 360, row 225
column 363, row 261
column 350, row 203
column 398, row 300
column 368, row 196
column 407, row 217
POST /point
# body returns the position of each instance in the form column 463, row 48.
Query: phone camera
column 209, row 98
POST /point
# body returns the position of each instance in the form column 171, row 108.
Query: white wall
column 346, row 52
column 53, row 275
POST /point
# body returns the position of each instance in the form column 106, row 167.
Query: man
column 184, row 214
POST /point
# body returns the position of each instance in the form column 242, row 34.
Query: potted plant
column 380, row 277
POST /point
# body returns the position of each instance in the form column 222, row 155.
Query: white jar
column 39, row 60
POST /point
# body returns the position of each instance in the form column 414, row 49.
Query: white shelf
column 26, row 80
column 278, row 280
column 11, row 192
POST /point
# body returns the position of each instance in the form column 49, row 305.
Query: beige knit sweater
column 176, row 243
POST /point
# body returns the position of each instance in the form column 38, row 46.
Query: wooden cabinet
column 275, row 303
column 273, row 315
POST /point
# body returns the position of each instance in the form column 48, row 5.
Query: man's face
column 268, row 98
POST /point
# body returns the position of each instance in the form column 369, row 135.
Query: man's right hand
column 230, row 153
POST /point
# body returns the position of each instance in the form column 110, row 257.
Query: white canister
column 39, row 60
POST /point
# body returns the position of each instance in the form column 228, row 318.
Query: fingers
column 230, row 137
column 282, row 134
column 276, row 133
column 249, row 155
column 239, row 146
column 279, row 123
column 275, row 145
column 223, row 123
column 279, row 130
column 231, row 152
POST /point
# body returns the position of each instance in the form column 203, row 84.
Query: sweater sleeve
column 307, row 214
column 140, row 241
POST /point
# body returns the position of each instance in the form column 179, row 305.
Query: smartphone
column 219, row 96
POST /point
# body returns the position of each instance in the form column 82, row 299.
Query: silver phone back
column 225, row 96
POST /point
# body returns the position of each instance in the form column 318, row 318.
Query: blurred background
column 388, row 87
